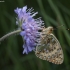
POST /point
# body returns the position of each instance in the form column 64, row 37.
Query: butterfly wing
column 50, row 50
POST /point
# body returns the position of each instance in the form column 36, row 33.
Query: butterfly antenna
column 59, row 27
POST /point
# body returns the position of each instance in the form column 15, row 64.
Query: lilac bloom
column 30, row 27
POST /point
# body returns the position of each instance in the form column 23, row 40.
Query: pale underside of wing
column 50, row 50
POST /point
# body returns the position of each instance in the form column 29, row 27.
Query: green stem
column 9, row 34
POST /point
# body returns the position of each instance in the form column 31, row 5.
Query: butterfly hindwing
column 50, row 49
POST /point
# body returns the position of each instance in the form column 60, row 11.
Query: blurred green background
column 54, row 13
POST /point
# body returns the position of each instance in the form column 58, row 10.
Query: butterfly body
column 49, row 47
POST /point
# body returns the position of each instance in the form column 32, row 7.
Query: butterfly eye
column 51, row 29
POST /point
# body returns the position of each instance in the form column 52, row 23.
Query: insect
column 49, row 47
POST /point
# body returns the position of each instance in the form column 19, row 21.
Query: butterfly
column 49, row 47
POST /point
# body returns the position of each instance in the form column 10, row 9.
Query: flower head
column 30, row 27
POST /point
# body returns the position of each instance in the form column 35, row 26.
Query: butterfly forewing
column 50, row 49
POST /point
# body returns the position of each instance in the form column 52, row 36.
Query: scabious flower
column 30, row 27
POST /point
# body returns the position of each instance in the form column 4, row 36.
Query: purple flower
column 30, row 27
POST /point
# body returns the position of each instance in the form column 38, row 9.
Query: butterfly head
column 48, row 29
